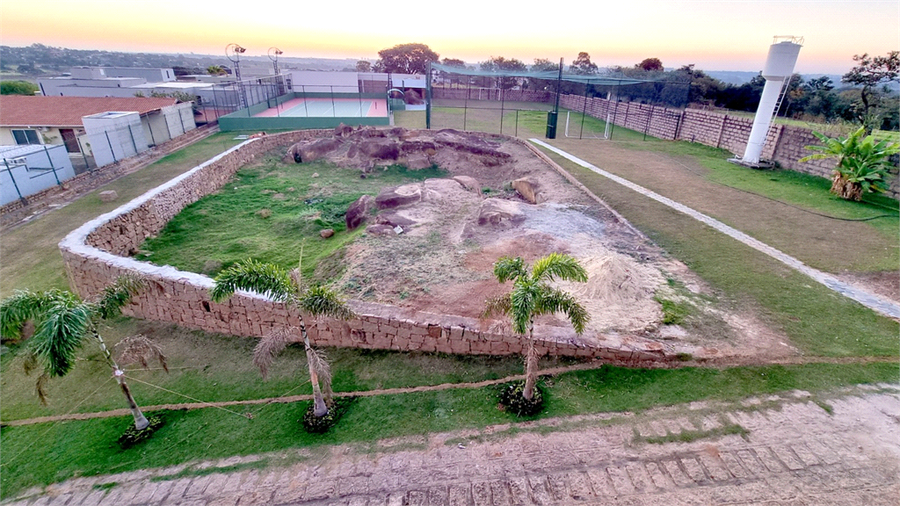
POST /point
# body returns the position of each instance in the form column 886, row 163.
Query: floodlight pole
column 427, row 98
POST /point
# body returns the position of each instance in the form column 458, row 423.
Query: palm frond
column 507, row 268
column 138, row 348
column 319, row 300
column 523, row 301
column 24, row 305
column 116, row 295
column 500, row 305
column 553, row 300
column 558, row 266
column 271, row 345
column 263, row 278
column 60, row 333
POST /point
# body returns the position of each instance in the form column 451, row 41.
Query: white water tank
column 779, row 68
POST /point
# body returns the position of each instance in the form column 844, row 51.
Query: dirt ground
column 442, row 260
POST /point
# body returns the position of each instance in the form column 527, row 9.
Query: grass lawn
column 46, row 453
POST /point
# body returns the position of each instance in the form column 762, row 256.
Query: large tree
column 650, row 65
column 17, row 88
column 502, row 64
column 410, row 58
column 363, row 66
column 63, row 322
column 531, row 296
column 583, row 64
column 870, row 73
column 289, row 288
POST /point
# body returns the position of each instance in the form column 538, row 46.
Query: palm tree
column 863, row 164
column 289, row 288
column 62, row 323
column 532, row 296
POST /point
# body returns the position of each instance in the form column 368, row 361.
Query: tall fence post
column 52, row 167
column 111, row 150
column 13, row 179
column 133, row 143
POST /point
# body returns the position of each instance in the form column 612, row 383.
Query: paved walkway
column 777, row 450
column 874, row 302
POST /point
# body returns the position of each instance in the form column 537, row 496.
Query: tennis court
column 327, row 108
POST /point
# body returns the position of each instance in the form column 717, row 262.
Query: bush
column 133, row 436
column 320, row 424
column 514, row 402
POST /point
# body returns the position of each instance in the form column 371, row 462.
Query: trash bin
column 551, row 125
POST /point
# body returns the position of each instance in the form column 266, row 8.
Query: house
column 28, row 120
column 105, row 82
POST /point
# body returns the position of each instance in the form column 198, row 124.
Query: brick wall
column 95, row 256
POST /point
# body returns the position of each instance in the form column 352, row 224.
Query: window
column 26, row 137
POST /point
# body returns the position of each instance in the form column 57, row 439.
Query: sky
column 712, row 34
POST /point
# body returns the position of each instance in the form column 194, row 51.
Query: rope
column 188, row 397
column 53, row 424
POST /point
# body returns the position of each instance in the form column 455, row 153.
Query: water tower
column 777, row 72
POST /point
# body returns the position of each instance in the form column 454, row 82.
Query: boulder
column 359, row 211
column 326, row 233
column 468, row 182
column 380, row 230
column 499, row 212
column 394, row 220
column 343, row 130
column 313, row 150
column 528, row 189
column 418, row 161
column 108, row 196
column 397, row 196
column 384, row 149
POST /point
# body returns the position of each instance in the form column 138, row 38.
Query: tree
column 216, row 70
column 870, row 72
column 532, row 296
column 863, row 163
column 650, row 65
column 583, row 64
column 17, row 88
column 62, row 323
column 501, row 64
column 290, row 289
column 363, row 66
column 454, row 62
column 406, row 59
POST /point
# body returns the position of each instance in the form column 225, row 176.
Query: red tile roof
column 37, row 111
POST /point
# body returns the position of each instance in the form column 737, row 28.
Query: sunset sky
column 714, row 35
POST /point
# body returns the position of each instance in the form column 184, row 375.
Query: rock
column 315, row 175
column 380, row 230
column 313, row 150
column 384, row 149
column 358, row 211
column 468, row 182
column 499, row 212
column 326, row 233
column 528, row 189
column 343, row 130
column 394, row 220
column 418, row 161
column 390, row 198
column 108, row 196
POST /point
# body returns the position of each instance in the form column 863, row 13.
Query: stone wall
column 95, row 255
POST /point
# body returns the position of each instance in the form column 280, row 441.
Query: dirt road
column 790, row 449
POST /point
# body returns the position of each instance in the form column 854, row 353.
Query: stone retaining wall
column 95, row 256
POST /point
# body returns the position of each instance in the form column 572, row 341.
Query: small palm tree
column 862, row 166
column 289, row 288
column 532, row 296
column 62, row 322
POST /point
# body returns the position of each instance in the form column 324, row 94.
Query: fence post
column 133, row 143
column 19, row 193
column 181, row 119
column 52, row 167
column 111, row 150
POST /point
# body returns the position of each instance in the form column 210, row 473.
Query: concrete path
column 777, row 450
column 874, row 302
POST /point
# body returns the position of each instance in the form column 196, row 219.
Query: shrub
column 320, row 424
column 514, row 402
column 133, row 436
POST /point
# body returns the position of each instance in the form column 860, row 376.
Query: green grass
column 47, row 453
column 816, row 319
column 31, row 258
column 268, row 212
